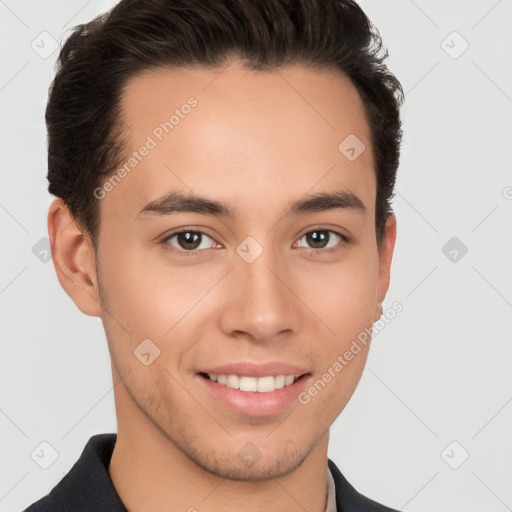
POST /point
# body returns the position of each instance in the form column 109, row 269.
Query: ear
column 385, row 258
column 74, row 259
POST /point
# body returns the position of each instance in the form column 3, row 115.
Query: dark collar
column 348, row 499
column 88, row 487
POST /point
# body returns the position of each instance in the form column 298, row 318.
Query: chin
column 250, row 464
column 247, row 469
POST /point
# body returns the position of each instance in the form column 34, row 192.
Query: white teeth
column 248, row 384
column 288, row 380
column 279, row 381
column 233, row 381
column 261, row 384
column 266, row 384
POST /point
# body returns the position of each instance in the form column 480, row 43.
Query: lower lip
column 252, row 403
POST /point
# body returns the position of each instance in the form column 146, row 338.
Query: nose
column 261, row 306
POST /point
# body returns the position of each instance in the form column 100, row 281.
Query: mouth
column 264, row 395
column 265, row 384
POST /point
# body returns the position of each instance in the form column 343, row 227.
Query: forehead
column 243, row 136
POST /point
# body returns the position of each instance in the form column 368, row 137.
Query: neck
column 150, row 472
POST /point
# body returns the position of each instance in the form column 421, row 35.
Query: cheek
column 145, row 299
column 342, row 295
column 145, row 293
column 337, row 375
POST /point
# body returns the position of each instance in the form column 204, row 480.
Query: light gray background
column 440, row 372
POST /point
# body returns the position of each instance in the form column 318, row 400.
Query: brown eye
column 321, row 239
column 189, row 240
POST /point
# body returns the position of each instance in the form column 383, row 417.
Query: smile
column 263, row 384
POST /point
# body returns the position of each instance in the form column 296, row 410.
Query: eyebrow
column 184, row 202
column 324, row 201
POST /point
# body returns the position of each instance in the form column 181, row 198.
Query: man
column 223, row 173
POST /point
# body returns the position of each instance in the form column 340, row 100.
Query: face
column 240, row 245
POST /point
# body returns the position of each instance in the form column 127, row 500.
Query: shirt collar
column 330, row 505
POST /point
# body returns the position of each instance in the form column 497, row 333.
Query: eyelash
column 344, row 240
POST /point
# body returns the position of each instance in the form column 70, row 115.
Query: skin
column 257, row 141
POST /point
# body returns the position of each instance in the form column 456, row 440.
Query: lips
column 254, row 389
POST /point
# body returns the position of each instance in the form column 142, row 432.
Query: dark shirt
column 88, row 487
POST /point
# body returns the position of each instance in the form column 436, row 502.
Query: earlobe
column 74, row 259
column 385, row 259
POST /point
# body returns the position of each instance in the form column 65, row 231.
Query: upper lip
column 250, row 369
